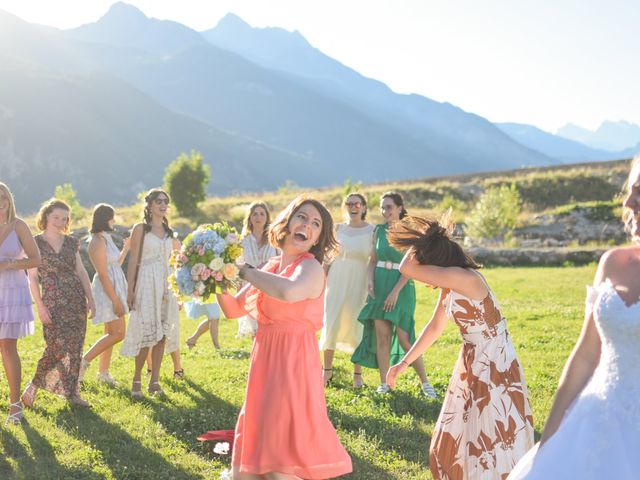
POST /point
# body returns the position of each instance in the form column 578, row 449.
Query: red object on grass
column 218, row 435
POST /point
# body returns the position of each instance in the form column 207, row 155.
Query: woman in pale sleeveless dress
column 485, row 424
column 109, row 289
column 347, row 287
column 593, row 430
column 18, row 252
column 256, row 251
column 153, row 321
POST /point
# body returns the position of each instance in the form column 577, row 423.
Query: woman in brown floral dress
column 485, row 425
column 62, row 300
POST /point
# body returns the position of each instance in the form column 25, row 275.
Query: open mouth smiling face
column 305, row 226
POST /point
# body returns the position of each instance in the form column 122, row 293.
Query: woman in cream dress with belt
column 347, row 287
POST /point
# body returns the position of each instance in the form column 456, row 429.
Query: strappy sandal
column 359, row 383
column 156, row 391
column 16, row 417
column 178, row 374
column 136, row 394
column 328, row 380
column 191, row 343
column 28, row 397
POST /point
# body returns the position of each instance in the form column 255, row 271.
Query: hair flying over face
column 431, row 242
column 326, row 245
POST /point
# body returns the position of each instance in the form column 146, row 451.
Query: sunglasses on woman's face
column 160, row 201
column 353, row 204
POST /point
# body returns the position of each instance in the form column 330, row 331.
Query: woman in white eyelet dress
column 593, row 431
column 156, row 313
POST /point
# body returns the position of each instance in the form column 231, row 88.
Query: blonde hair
column 6, row 193
column 247, row 226
column 627, row 214
column 48, row 207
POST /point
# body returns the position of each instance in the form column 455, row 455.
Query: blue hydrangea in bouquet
column 207, row 263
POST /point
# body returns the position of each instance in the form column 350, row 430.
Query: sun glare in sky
column 540, row 62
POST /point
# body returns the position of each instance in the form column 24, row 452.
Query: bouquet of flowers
column 206, row 263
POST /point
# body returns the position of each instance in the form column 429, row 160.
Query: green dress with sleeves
column 400, row 317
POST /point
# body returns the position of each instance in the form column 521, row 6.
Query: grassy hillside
column 386, row 436
column 542, row 189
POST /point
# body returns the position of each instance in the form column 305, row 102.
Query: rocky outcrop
column 535, row 256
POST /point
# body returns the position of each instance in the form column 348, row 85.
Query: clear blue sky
column 543, row 62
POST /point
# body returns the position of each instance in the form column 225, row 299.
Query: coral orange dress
column 283, row 425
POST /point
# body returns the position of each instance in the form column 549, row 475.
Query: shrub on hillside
column 186, row 180
column 495, row 214
column 67, row 194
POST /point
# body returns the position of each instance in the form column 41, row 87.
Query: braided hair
column 146, row 213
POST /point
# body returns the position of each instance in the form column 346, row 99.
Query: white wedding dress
column 599, row 438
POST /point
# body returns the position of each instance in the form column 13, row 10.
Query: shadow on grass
column 40, row 462
column 362, row 469
column 412, row 444
column 124, row 455
column 208, row 412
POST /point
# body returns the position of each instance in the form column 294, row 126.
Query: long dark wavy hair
column 146, row 213
column 431, row 242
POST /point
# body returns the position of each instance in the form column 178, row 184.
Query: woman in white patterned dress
column 109, row 289
column 593, row 430
column 153, row 322
column 485, row 425
column 257, row 251
column 347, row 287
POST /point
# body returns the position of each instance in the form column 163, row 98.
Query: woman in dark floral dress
column 62, row 299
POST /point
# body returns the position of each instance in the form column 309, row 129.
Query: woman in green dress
column 387, row 317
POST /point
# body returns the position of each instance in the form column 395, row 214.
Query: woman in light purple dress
column 18, row 252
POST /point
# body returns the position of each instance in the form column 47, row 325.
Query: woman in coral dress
column 485, row 425
column 283, row 430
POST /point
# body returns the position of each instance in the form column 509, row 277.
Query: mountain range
column 106, row 106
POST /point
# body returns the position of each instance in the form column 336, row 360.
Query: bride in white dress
column 593, row 430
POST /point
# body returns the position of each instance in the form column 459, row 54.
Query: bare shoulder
column 312, row 266
column 21, row 226
column 614, row 260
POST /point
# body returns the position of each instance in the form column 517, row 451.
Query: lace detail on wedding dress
column 599, row 436
column 618, row 373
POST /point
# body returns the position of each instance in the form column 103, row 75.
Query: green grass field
column 387, row 436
